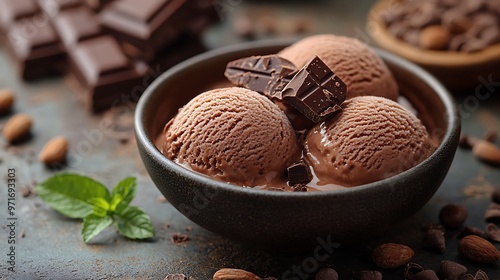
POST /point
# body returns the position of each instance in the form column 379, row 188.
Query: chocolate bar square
column 105, row 74
column 35, row 47
column 75, row 25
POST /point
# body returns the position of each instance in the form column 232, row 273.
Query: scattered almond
column 17, row 127
column 478, row 249
column 391, row 255
column 54, row 151
column 487, row 152
column 234, row 274
column 434, row 37
column 6, row 100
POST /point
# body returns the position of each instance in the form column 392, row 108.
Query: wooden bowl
column 459, row 71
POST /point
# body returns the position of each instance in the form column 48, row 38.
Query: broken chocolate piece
column 434, row 240
column 315, row 91
column 299, row 173
column 493, row 232
column 264, row 74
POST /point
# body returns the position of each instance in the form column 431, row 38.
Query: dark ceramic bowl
column 288, row 219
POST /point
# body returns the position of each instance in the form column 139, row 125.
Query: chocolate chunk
column 327, row 274
column 148, row 25
column 453, row 215
column 299, row 173
column 471, row 231
column 76, row 25
column 178, row 238
column 36, row 48
column 492, row 214
column 434, row 240
column 265, row 74
column 493, row 232
column 315, row 91
column 466, row 141
column 451, row 270
column 412, row 269
column 367, row 275
column 426, row 275
column 105, row 75
column 481, row 275
column 495, row 195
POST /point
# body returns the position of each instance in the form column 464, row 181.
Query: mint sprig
column 78, row 196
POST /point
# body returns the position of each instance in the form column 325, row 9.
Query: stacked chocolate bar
column 112, row 49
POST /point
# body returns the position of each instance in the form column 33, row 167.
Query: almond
column 6, row 100
column 487, row 152
column 54, row 151
column 234, row 274
column 434, row 37
column 17, row 127
column 478, row 249
column 391, row 255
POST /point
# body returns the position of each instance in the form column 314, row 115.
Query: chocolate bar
column 105, row 74
column 315, row 91
column 147, row 26
column 36, row 49
column 76, row 25
column 264, row 74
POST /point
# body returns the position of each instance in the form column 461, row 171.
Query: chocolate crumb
column 22, row 233
column 434, row 240
column 493, row 232
column 189, row 228
column 26, row 191
column 178, row 238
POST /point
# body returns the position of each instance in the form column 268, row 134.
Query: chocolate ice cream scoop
column 355, row 63
column 234, row 135
column 370, row 139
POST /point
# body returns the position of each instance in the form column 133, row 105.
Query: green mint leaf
column 101, row 206
column 134, row 223
column 122, row 194
column 93, row 225
column 70, row 194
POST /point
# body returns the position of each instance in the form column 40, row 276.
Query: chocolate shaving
column 481, row 275
column 264, row 74
column 493, row 232
column 315, row 91
column 179, row 239
column 452, row 270
column 412, row 269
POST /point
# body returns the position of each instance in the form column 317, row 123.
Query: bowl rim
column 379, row 33
column 451, row 118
